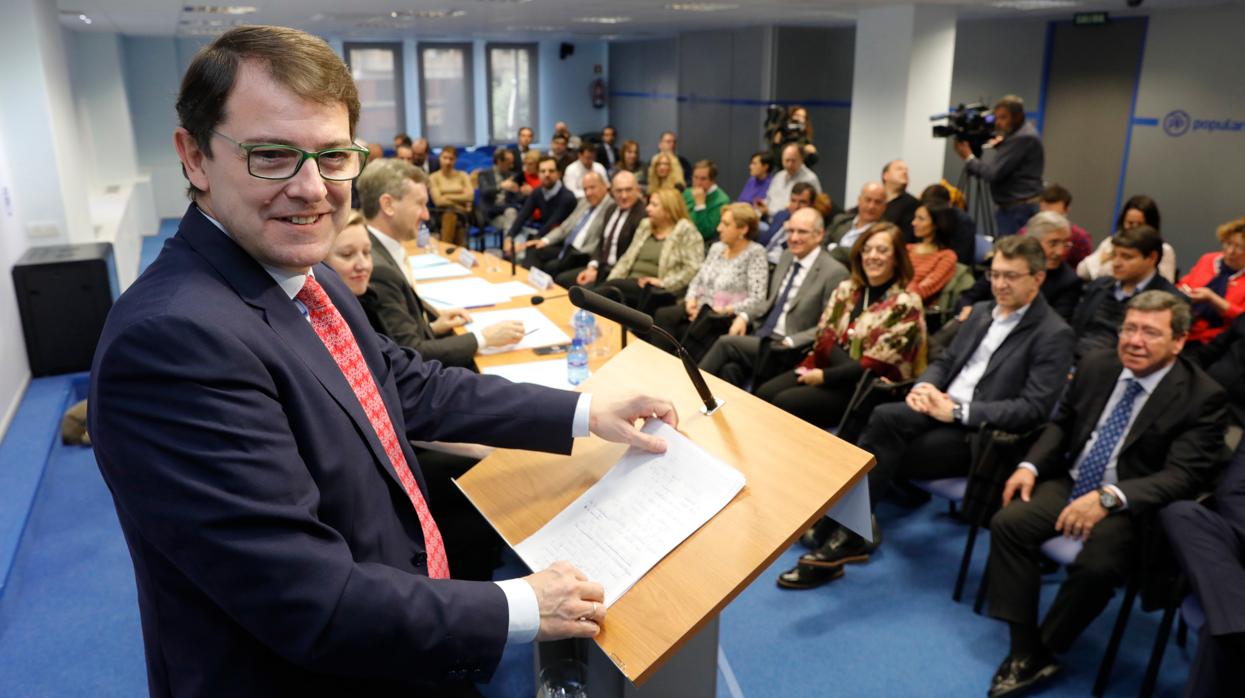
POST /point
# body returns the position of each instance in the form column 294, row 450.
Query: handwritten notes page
column 636, row 514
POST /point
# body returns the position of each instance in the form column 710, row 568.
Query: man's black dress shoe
column 805, row 577
column 843, row 547
column 816, row 536
column 1018, row 674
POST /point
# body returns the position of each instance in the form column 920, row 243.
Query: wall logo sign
column 1178, row 122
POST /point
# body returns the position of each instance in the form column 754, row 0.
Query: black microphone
column 537, row 300
column 642, row 324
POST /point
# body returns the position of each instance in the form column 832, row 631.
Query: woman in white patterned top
column 733, row 279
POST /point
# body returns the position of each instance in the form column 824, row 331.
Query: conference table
column 557, row 307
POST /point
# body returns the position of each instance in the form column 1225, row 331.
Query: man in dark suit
column 1210, row 546
column 498, row 191
column 1139, row 428
column 607, row 151
column 798, row 291
column 525, row 138
column 1134, row 269
column 1061, row 287
column 621, row 221
column 254, row 430
column 571, row 244
column 553, row 201
column 394, row 196
column 900, row 205
column 1006, row 367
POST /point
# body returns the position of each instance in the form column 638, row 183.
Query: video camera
column 777, row 120
column 971, row 123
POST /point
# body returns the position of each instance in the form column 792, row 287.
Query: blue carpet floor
column 69, row 620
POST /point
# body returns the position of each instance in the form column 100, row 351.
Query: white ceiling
column 526, row 19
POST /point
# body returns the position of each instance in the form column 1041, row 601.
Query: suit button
column 420, row 560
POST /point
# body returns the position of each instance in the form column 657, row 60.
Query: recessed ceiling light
column 701, row 6
column 602, row 20
column 220, row 9
column 1028, row 5
column 534, row 28
column 426, row 14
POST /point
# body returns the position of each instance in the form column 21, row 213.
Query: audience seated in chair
column 664, row 172
column 964, row 239
column 845, row 228
column 560, row 151
column 1058, row 199
column 1224, row 360
column 793, row 170
column 421, row 156
column 775, row 239
column 733, row 279
column 900, row 205
column 1140, row 427
column 471, row 546
column 669, row 144
column 499, row 193
column 872, row 323
column 607, row 150
column 662, row 258
column 1136, row 253
column 1060, row 286
column 585, row 162
column 571, row 243
column 705, row 199
column 523, row 144
column 760, row 172
column 1006, row 367
column 933, row 260
column 1209, row 544
column 798, row 291
column 394, row 196
column 451, row 192
column 630, row 161
column 621, row 221
column 1138, row 210
column 1216, row 285
column 552, row 201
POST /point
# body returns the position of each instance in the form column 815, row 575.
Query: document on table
column 448, row 270
column 472, row 292
column 633, row 517
column 514, row 289
column 551, row 374
column 540, row 330
column 423, row 261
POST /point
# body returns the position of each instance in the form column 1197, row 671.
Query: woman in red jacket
column 1216, row 285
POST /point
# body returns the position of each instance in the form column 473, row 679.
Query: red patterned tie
column 335, row 333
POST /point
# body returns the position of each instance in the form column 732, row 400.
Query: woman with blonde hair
column 665, row 172
column 664, row 255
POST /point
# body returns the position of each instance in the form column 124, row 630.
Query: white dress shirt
column 965, row 382
column 573, row 178
column 801, row 273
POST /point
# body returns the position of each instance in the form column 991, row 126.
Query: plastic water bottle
column 585, row 324
column 577, row 362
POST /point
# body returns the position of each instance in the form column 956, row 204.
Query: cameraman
column 1015, row 173
column 794, row 128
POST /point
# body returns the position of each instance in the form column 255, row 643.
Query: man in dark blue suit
column 1210, row 545
column 254, row 431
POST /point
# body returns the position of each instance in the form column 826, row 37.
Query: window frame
column 533, row 77
column 399, row 77
column 468, row 50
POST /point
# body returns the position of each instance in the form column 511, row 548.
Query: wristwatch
column 1108, row 500
column 957, row 412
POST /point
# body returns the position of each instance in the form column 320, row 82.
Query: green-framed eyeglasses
column 277, row 161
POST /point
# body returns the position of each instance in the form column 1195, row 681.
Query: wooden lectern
column 794, row 472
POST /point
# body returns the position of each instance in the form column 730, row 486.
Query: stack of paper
column 551, row 374
column 633, row 517
column 472, row 292
column 425, row 267
column 541, row 331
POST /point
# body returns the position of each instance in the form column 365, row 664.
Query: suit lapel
column 257, row 289
column 1166, row 391
column 1033, row 317
column 416, row 306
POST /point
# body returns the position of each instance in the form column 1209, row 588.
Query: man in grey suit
column 798, row 291
column 571, row 243
column 1007, row 367
column 394, row 196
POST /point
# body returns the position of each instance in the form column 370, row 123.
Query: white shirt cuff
column 699, row 207
column 744, row 316
column 593, row 264
column 1119, row 493
column 581, row 426
column 480, row 343
column 964, row 413
column 524, row 611
column 1028, row 466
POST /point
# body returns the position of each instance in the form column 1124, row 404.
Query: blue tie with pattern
column 771, row 318
column 1095, row 464
column 570, row 239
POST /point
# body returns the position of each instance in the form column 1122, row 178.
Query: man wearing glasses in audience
column 255, row 432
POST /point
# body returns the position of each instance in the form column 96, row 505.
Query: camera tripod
column 978, row 202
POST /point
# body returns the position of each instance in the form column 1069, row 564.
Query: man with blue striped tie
column 1139, row 427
